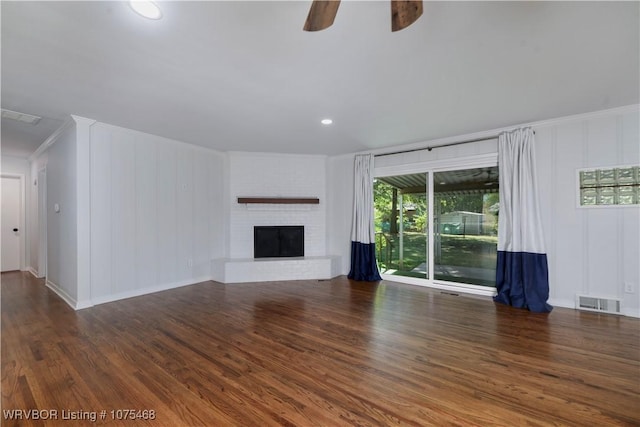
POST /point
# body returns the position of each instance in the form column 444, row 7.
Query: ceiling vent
column 21, row 117
column 601, row 305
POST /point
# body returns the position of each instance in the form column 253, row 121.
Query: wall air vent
column 601, row 305
column 21, row 117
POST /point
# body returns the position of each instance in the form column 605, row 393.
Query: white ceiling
column 244, row 76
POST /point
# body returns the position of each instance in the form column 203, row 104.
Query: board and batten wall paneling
column 557, row 163
column 208, row 214
column 592, row 251
column 166, row 187
column 185, row 232
column 101, row 226
column 629, row 219
column 602, row 234
column 154, row 222
column 340, row 175
column 62, row 249
column 124, row 240
column 146, row 222
column 33, row 211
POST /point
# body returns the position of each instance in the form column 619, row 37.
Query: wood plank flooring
column 313, row 353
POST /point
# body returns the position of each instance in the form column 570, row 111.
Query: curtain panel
column 363, row 251
column 522, row 278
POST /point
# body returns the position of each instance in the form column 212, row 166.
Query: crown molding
column 71, row 120
column 491, row 134
column 83, row 120
column 51, row 139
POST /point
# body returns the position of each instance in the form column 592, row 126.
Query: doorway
column 466, row 206
column 42, row 222
column 12, row 224
column 401, row 206
column 438, row 226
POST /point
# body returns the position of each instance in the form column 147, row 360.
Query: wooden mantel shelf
column 281, row 200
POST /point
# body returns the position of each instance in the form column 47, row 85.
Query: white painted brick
column 274, row 269
column 276, row 175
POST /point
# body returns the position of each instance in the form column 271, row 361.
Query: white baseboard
column 148, row 290
column 568, row 303
column 33, row 272
column 62, row 294
column 564, row 303
column 80, row 305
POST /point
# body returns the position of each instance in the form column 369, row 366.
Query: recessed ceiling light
column 326, row 121
column 147, row 9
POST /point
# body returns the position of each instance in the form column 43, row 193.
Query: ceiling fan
column 490, row 179
column 323, row 12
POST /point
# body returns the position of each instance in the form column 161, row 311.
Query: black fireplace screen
column 278, row 241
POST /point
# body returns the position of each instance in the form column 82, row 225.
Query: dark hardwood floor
column 326, row 353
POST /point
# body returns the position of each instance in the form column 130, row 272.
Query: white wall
column 590, row 251
column 156, row 213
column 15, row 165
column 37, row 163
column 62, row 226
column 156, row 204
column 19, row 166
column 276, row 175
column 33, row 220
column 340, row 208
column 438, row 154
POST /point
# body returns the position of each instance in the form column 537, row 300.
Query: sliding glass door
column 449, row 236
column 466, row 225
column 401, row 224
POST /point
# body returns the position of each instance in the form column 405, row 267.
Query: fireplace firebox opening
column 278, row 241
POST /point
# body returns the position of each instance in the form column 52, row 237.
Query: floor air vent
column 602, row 305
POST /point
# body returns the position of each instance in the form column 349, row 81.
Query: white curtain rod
column 451, row 144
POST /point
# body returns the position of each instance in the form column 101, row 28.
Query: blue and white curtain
column 522, row 278
column 363, row 250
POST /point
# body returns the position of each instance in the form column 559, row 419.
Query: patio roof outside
column 456, row 182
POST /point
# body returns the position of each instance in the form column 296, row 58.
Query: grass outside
column 460, row 251
column 469, row 251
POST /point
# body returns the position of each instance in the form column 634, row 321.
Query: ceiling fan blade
column 321, row 14
column 404, row 13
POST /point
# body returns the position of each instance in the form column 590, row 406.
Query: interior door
column 10, row 233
